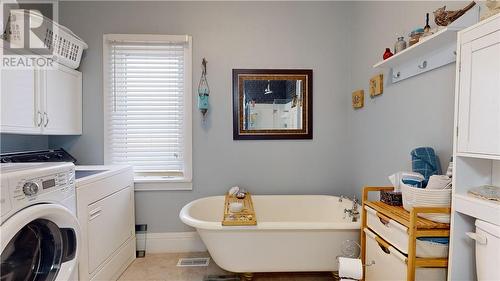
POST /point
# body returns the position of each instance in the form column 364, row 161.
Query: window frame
column 156, row 182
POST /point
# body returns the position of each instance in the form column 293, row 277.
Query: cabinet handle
column 46, row 117
column 40, row 118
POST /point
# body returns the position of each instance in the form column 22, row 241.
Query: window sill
column 162, row 184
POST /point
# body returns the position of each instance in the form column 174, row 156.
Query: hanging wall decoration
column 203, row 90
column 376, row 85
column 358, row 99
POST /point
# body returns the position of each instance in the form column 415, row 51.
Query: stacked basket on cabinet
column 65, row 47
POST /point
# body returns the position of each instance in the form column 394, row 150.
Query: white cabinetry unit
column 479, row 90
column 20, row 101
column 105, row 209
column 41, row 101
column 63, row 102
column 477, row 141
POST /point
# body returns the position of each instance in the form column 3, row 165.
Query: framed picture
column 358, row 99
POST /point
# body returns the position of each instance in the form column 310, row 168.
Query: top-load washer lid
column 39, row 243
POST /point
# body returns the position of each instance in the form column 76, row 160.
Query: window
column 147, row 105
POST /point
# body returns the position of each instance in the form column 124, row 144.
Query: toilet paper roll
column 350, row 268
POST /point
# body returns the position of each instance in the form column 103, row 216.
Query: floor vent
column 193, row 262
column 221, row 278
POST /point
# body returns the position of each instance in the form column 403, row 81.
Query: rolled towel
column 425, row 161
column 439, row 182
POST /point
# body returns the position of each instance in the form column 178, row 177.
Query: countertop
column 108, row 170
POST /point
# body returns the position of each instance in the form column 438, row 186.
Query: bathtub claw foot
column 247, row 276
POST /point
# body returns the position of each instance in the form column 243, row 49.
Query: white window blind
column 146, row 113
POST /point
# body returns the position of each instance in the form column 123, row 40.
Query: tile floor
column 162, row 267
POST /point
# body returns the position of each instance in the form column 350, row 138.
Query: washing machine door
column 39, row 243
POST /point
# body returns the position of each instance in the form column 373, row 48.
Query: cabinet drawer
column 390, row 264
column 397, row 235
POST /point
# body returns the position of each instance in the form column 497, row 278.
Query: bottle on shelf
column 399, row 45
column 387, row 53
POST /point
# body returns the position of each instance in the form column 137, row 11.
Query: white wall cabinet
column 41, row 101
column 63, row 102
column 479, row 91
column 19, row 101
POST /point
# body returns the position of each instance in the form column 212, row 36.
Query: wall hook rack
column 434, row 51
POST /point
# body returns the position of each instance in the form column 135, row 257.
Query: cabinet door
column 63, row 102
column 110, row 224
column 19, row 101
column 479, row 96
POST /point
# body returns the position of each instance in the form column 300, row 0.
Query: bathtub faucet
column 353, row 212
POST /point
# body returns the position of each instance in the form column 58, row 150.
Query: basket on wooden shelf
column 422, row 197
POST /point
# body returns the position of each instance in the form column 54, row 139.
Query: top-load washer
column 38, row 224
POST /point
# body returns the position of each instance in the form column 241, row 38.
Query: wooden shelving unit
column 417, row 227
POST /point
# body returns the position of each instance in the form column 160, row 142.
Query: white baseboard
column 174, row 242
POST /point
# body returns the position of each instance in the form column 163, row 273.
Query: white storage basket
column 388, row 264
column 65, row 46
column 421, row 197
column 397, row 235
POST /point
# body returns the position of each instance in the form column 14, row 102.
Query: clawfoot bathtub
column 294, row 233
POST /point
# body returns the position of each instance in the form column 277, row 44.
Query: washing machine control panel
column 30, row 188
column 49, row 182
column 38, row 186
column 25, row 184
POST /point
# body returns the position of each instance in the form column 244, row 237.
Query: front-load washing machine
column 39, row 231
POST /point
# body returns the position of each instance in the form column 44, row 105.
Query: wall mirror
column 272, row 104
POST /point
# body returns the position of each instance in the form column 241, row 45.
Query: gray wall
column 414, row 112
column 231, row 35
column 15, row 143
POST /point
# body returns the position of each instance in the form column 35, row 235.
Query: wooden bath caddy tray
column 245, row 217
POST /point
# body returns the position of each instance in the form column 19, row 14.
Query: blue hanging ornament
column 203, row 89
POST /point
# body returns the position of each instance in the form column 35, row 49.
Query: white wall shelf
column 431, row 52
column 478, row 155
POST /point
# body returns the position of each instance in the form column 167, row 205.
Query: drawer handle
column 383, row 245
column 384, row 249
column 383, row 219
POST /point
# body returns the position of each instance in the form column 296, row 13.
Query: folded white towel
column 396, row 178
column 439, row 182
